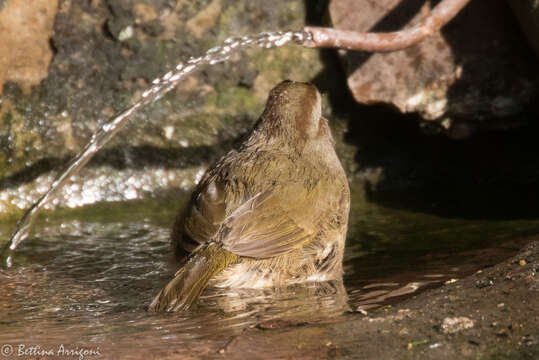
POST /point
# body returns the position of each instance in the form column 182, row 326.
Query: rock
column 25, row 32
column 205, row 19
column 452, row 325
column 527, row 12
column 472, row 75
column 106, row 53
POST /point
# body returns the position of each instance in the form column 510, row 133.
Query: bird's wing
column 269, row 224
column 205, row 215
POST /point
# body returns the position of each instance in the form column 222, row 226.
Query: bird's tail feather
column 191, row 279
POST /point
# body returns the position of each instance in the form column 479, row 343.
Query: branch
column 353, row 40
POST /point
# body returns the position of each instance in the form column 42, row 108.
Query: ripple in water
column 89, row 282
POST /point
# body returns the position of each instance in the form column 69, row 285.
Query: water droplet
column 189, row 68
column 175, row 77
column 219, row 60
column 167, row 76
column 214, row 50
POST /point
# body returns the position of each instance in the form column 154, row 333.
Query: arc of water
column 160, row 87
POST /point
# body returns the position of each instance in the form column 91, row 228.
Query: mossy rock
column 106, row 53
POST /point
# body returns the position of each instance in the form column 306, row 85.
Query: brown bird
column 272, row 212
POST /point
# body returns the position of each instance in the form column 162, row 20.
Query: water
column 85, row 277
column 160, row 87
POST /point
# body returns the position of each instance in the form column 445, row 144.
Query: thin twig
column 353, row 40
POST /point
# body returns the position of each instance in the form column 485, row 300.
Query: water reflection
column 301, row 303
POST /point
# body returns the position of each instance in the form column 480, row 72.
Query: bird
column 271, row 212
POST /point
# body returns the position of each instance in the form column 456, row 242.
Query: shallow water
column 85, row 277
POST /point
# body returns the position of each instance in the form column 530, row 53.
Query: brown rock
column 205, row 19
column 395, row 77
column 475, row 69
column 527, row 12
column 26, row 27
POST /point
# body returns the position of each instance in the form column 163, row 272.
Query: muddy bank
column 492, row 314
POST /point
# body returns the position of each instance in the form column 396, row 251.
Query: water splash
column 159, row 88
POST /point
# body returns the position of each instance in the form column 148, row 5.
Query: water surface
column 86, row 276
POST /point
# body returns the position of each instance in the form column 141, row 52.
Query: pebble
column 452, row 325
